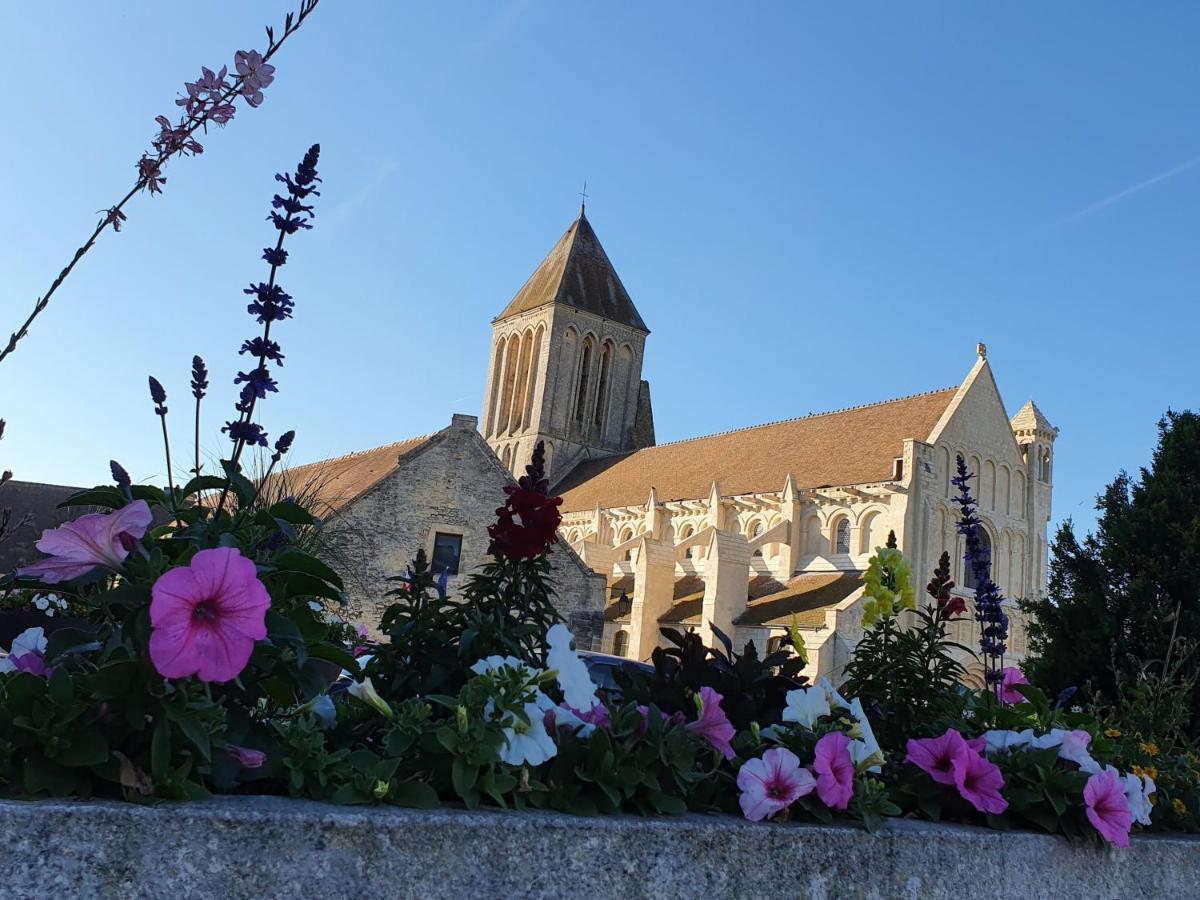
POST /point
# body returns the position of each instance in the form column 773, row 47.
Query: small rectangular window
column 447, row 548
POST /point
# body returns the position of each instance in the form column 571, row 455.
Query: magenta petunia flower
column 249, row 759
column 206, row 616
column 94, row 541
column 772, row 784
column 713, row 725
column 979, row 782
column 835, row 770
column 1107, row 808
column 1012, row 677
column 936, row 756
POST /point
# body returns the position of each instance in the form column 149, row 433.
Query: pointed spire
column 789, row 490
column 577, row 273
column 1029, row 420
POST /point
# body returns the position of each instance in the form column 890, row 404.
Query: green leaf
column 299, row 561
column 292, row 513
column 338, row 655
column 102, row 495
column 202, row 483
column 463, row 777
column 87, row 748
column 61, row 690
column 150, row 494
column 415, row 794
column 242, row 486
column 70, row 641
column 160, row 749
column 348, row 795
column 196, row 735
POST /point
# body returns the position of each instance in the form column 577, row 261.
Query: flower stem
column 170, row 477
column 306, row 7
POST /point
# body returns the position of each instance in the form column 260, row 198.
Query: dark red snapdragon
column 527, row 524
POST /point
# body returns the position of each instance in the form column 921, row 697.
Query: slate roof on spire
column 577, row 273
column 1030, row 418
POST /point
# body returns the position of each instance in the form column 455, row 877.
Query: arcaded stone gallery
column 753, row 531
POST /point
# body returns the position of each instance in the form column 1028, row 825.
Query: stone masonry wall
column 453, row 483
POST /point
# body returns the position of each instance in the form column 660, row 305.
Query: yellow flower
column 1112, row 733
column 1150, row 772
column 1180, row 806
column 1150, row 749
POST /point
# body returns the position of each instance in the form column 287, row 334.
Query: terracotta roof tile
column 577, row 273
column 334, row 483
column 852, row 446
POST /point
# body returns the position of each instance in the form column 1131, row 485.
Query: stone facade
column 450, row 483
column 754, row 562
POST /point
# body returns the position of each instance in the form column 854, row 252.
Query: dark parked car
column 602, row 665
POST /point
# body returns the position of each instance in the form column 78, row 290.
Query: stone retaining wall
column 255, row 847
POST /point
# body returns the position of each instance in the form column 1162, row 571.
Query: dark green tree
column 1113, row 598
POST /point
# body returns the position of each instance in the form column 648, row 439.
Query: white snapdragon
column 365, row 691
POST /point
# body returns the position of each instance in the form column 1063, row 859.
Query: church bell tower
column 566, row 364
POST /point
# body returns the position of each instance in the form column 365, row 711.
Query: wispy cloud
column 382, row 173
column 1092, row 208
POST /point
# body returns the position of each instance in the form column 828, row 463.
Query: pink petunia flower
column 1107, row 808
column 977, row 745
column 94, row 541
column 772, row 784
column 835, row 770
column 713, row 725
column 1008, row 693
column 26, row 654
column 206, row 616
column 936, row 756
column 979, row 781
column 249, row 758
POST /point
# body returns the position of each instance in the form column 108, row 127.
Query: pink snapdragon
column 1107, row 807
column 835, row 770
column 937, row 757
column 772, row 784
column 713, row 725
column 94, row 541
column 979, row 782
column 206, row 617
column 1012, row 676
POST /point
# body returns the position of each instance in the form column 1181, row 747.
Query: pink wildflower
column 207, row 616
column 772, row 784
column 1008, row 693
column 249, row 759
column 97, row 540
column 979, row 781
column 835, row 770
column 255, row 75
column 1107, row 808
column 936, row 756
column 713, row 725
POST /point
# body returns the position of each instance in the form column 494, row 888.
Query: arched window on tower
column 687, row 532
column 755, row 530
column 1044, row 466
column 585, row 371
column 604, row 387
column 970, row 582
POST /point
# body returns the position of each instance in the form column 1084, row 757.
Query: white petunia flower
column 491, row 663
column 996, row 740
column 579, row 691
column 365, row 691
column 806, row 705
column 527, row 743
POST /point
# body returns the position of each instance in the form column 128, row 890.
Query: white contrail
column 1128, row 192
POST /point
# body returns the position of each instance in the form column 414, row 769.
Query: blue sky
column 855, row 194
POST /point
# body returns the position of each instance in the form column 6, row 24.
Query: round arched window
column 985, row 549
column 620, row 644
column 841, row 536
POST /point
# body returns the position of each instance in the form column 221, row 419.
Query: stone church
column 753, row 530
column 761, row 528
